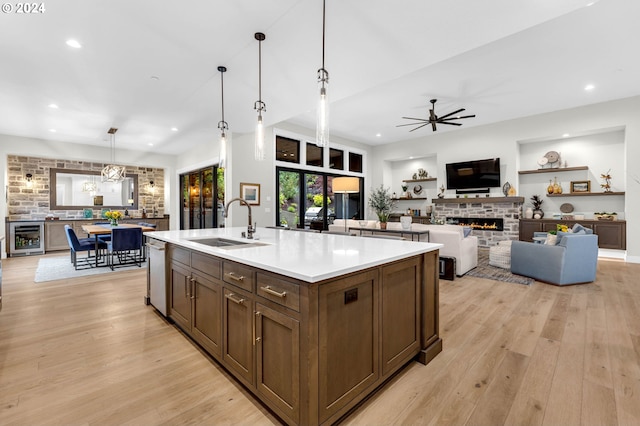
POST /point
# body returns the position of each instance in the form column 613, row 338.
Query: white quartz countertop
column 307, row 256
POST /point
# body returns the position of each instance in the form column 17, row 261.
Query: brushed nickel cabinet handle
column 235, row 277
column 271, row 291
column 232, row 297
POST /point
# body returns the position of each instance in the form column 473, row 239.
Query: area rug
column 484, row 270
column 60, row 268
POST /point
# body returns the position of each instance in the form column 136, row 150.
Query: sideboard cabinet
column 611, row 234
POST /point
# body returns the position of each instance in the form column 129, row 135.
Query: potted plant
column 536, row 201
column 381, row 202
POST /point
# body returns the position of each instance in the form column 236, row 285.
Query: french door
column 202, row 197
column 306, row 200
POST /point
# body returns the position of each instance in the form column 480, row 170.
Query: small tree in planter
column 381, row 202
column 536, row 201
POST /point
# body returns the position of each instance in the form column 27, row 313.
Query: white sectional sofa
column 456, row 245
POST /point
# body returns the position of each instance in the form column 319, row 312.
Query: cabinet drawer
column 180, row 254
column 205, row 263
column 282, row 292
column 238, row 275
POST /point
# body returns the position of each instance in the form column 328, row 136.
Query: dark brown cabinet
column 357, row 329
column 611, row 234
column 278, row 360
column 196, row 298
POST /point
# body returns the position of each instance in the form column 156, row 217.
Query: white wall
column 502, row 140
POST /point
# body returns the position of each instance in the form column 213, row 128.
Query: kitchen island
column 310, row 323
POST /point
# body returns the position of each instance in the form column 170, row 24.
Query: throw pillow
column 577, row 228
column 551, row 240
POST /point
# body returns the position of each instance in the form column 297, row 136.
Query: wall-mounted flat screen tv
column 476, row 174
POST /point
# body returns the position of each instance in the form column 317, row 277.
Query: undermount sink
column 224, row 243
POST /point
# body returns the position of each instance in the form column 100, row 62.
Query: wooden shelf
column 409, row 199
column 554, row 170
column 585, row 194
column 420, row 180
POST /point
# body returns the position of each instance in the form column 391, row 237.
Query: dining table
column 105, row 229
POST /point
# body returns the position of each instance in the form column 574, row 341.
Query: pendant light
column 113, row 172
column 222, row 125
column 322, row 122
column 259, row 105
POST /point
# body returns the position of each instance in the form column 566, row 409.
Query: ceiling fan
column 434, row 119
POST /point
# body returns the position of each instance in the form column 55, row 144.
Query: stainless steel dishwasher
column 156, row 275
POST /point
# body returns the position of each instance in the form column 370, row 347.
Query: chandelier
column 112, row 172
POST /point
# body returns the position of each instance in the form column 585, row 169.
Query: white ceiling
column 499, row 59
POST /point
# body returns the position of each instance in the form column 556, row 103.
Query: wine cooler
column 26, row 238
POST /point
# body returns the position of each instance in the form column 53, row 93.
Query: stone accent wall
column 33, row 203
column 509, row 211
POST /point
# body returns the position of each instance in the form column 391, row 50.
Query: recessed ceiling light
column 174, row 129
column 378, row 135
column 52, row 130
column 589, row 87
column 411, row 157
column 53, row 106
column 155, row 77
column 150, row 144
column 566, row 135
column 74, row 43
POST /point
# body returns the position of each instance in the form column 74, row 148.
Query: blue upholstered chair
column 572, row 261
column 126, row 245
column 80, row 244
column 104, row 237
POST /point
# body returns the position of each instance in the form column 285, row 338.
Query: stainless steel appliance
column 26, row 238
column 156, row 275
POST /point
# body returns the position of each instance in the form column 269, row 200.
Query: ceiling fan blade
column 458, row 118
column 417, row 119
column 451, row 113
column 419, row 127
column 451, row 123
column 412, row 124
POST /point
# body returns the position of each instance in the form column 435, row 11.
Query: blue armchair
column 572, row 261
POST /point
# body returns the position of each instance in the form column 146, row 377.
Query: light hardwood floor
column 88, row 351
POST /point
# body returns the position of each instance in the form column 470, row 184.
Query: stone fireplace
column 493, row 219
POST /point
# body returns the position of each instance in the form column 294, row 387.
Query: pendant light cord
column 259, row 105
column 222, row 125
column 324, row 5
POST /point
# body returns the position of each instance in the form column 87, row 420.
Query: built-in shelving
column 585, row 194
column 420, row 180
column 553, row 170
column 409, row 199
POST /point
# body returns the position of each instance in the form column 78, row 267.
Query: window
column 314, row 155
column 305, row 200
column 288, row 150
column 336, row 159
column 355, row 162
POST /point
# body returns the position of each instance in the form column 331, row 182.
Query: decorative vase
column 528, row 213
column 557, row 189
column 114, row 222
column 406, row 222
column 383, row 225
column 550, row 187
column 538, row 214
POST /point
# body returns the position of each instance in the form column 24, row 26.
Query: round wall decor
column 566, row 208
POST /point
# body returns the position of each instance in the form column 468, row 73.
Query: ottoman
column 500, row 256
